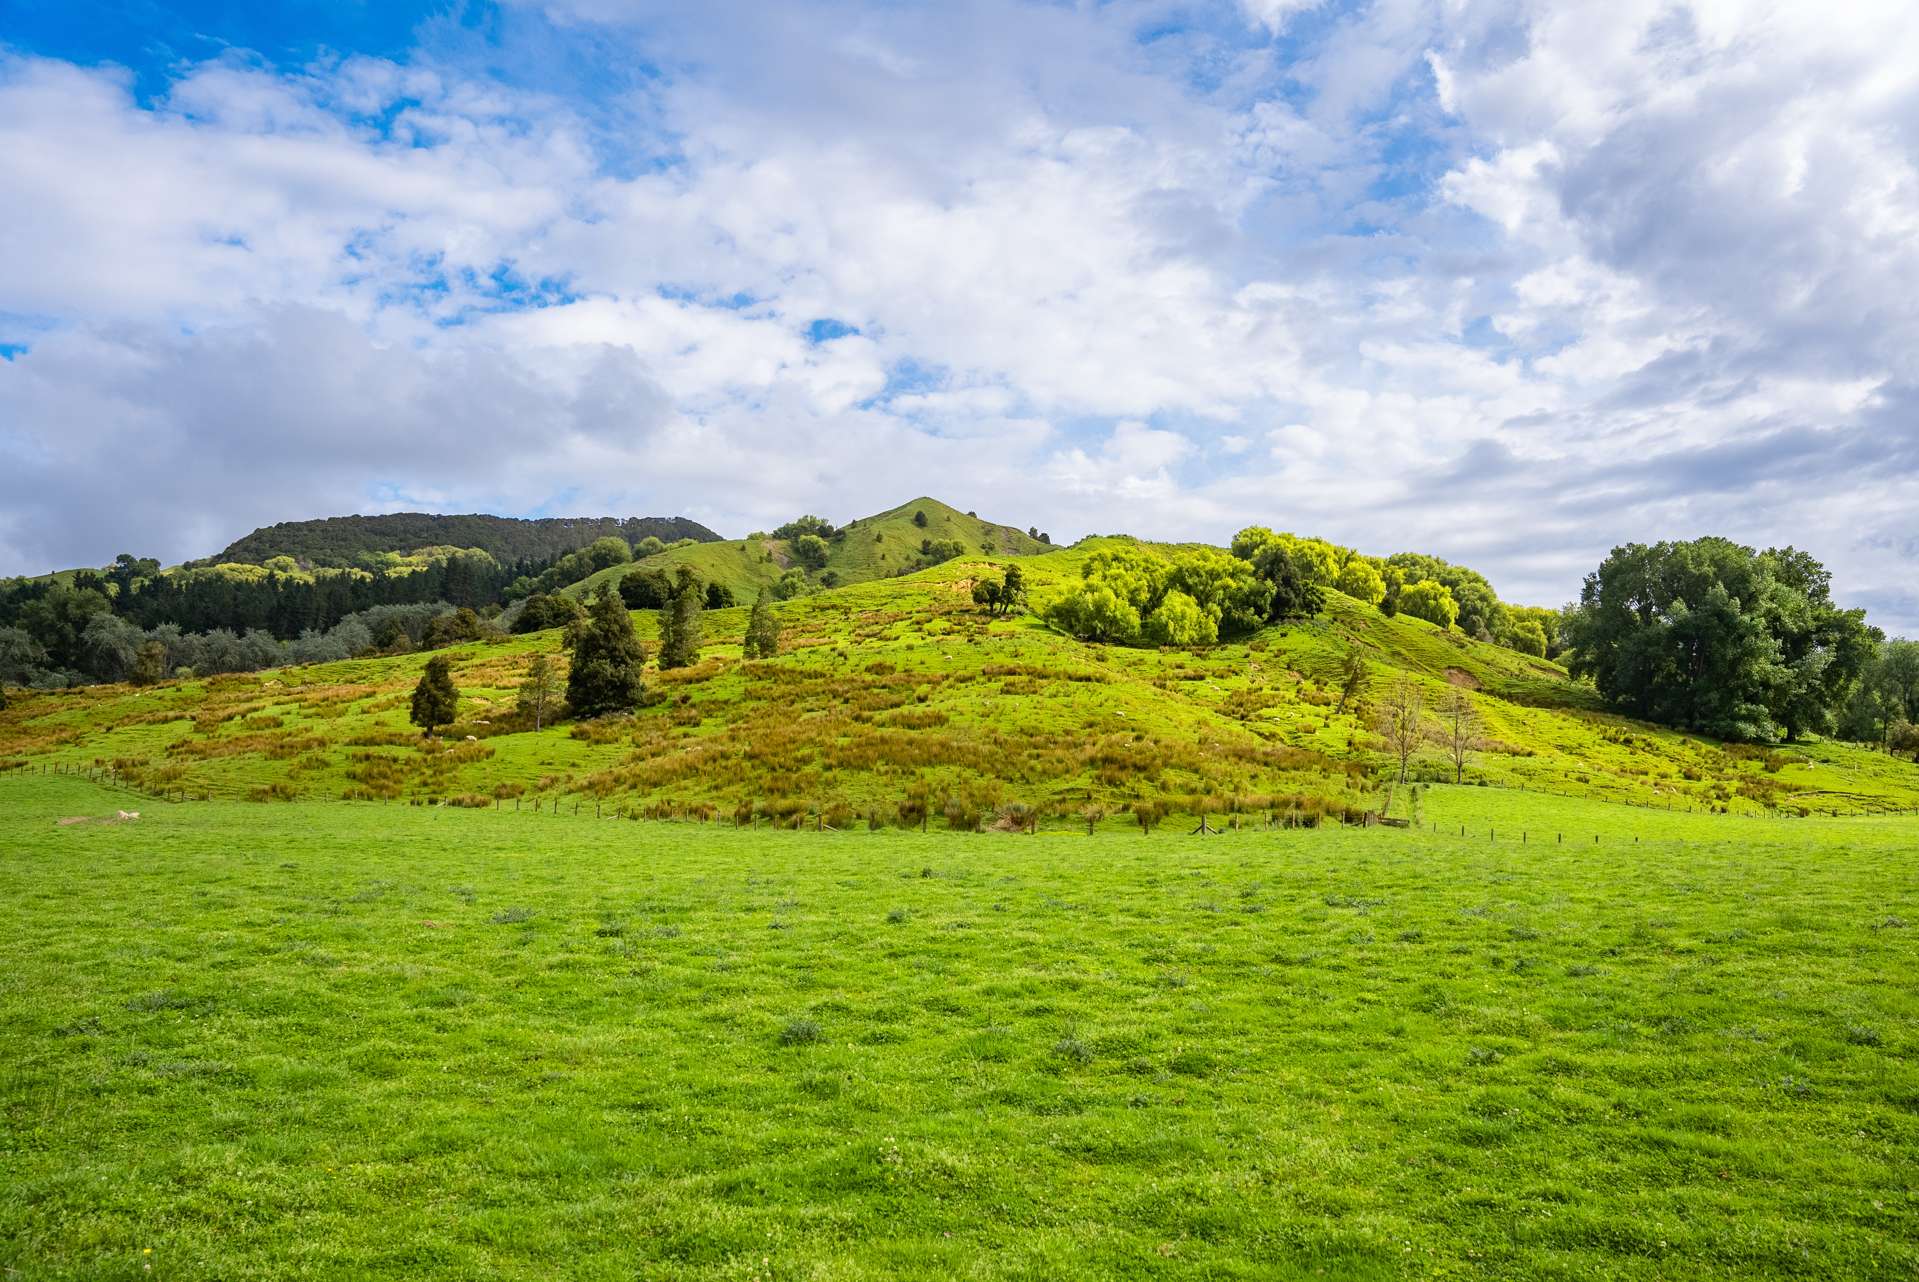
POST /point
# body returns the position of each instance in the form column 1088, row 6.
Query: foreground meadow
column 338, row 1040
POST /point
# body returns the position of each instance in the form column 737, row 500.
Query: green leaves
column 435, row 700
column 1716, row 637
column 607, row 659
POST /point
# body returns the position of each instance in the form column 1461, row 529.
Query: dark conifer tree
column 435, row 700
column 606, row 676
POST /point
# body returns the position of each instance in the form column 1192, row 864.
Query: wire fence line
column 813, row 816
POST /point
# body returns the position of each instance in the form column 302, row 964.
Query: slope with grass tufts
column 899, row 697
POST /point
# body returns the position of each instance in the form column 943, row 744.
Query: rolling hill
column 899, row 694
column 884, row 545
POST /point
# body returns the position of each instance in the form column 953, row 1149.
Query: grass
column 898, row 694
column 884, row 545
column 321, row 1040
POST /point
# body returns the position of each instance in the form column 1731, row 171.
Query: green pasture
column 349, row 1040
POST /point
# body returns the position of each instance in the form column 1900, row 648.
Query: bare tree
column 1459, row 729
column 1401, row 722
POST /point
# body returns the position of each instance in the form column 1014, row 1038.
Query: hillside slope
column 340, row 540
column 902, row 692
column 884, row 545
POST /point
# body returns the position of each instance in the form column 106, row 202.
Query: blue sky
column 1504, row 280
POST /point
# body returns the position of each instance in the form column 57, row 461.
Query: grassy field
column 344, row 1040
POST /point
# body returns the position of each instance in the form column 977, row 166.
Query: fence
column 813, row 816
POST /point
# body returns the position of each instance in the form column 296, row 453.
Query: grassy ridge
column 901, row 688
column 875, row 547
column 329, row 1041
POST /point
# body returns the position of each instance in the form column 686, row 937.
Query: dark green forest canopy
column 342, row 540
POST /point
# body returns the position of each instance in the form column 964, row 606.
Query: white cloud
column 1275, row 14
column 1505, row 280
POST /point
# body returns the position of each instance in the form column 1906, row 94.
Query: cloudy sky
column 1509, row 281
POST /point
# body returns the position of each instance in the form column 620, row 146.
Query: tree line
column 607, row 659
column 1132, row 594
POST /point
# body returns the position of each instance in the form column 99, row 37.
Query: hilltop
column 886, row 545
column 339, row 541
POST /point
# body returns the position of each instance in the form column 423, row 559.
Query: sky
column 1507, row 281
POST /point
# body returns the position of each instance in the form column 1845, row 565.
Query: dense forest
column 359, row 541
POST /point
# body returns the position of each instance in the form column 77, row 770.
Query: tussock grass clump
column 800, row 1032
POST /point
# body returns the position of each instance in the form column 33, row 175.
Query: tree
column 542, row 611
column 1012, row 594
column 1226, row 589
column 1897, row 674
column 1431, row 601
column 435, row 700
column 810, row 550
column 1459, row 729
column 1394, row 580
column 602, row 554
column 1401, row 722
column 456, row 627
column 680, row 621
column 23, row 661
column 1528, row 637
column 1479, row 612
column 149, row 663
column 58, row 620
column 646, row 589
column 938, row 551
column 1361, row 580
column 608, row 659
column 1904, row 737
column 793, row 583
column 762, row 639
column 1178, row 620
column 110, row 645
column 814, row 525
column 1824, row 649
column 919, row 519
column 1119, row 588
column 1293, row 570
column 986, row 592
column 1547, row 623
column 1714, row 637
column 539, row 690
column 1094, row 611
